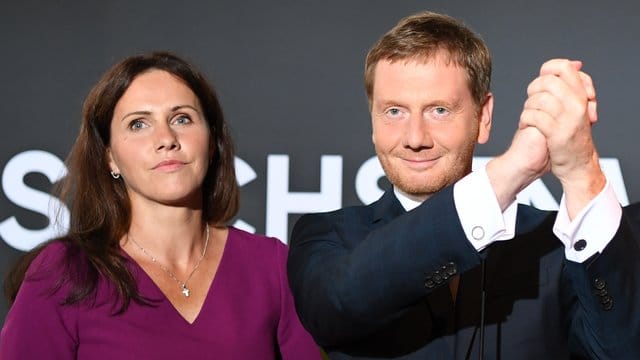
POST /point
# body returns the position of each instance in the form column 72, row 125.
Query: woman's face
column 160, row 141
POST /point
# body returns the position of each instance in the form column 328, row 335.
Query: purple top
column 247, row 314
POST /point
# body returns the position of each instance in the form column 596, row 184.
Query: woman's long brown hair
column 99, row 205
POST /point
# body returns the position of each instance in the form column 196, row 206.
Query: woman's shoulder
column 41, row 272
column 256, row 249
column 256, row 241
column 59, row 261
column 49, row 257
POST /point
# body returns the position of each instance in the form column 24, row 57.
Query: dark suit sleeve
column 349, row 277
column 602, row 296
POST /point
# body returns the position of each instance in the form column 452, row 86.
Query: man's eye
column 394, row 112
column 441, row 110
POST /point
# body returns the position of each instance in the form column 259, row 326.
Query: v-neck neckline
column 158, row 294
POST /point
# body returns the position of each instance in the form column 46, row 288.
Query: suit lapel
column 386, row 208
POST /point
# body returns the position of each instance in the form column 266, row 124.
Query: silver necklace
column 183, row 284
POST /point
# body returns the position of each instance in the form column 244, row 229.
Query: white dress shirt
column 484, row 223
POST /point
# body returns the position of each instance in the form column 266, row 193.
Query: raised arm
column 561, row 105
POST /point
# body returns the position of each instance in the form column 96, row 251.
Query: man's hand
column 562, row 106
column 526, row 160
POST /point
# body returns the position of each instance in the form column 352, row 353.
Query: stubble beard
column 434, row 180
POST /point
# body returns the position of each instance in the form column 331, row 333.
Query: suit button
column 451, row 269
column 443, row 272
column 580, row 245
column 608, row 306
column 601, row 292
column 437, row 278
column 605, row 299
column 599, row 284
column 429, row 283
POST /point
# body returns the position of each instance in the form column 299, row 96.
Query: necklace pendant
column 186, row 292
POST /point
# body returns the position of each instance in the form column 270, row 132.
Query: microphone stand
column 483, row 295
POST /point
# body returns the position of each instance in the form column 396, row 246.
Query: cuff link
column 580, row 245
column 477, row 233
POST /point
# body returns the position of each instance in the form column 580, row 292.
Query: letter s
column 20, row 194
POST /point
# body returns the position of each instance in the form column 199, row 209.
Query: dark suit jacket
column 371, row 282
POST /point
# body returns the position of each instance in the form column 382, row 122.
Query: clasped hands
column 555, row 125
column 554, row 133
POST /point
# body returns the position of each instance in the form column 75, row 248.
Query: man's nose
column 417, row 135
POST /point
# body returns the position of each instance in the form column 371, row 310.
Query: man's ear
column 484, row 119
column 373, row 135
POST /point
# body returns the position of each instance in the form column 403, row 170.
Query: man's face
column 425, row 123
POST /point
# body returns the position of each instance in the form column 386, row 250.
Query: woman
column 148, row 269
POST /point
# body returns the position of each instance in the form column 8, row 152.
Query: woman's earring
column 115, row 175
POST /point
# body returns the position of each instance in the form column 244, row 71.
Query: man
column 445, row 265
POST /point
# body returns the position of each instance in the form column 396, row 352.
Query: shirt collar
column 408, row 202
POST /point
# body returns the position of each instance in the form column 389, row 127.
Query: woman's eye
column 137, row 125
column 182, row 119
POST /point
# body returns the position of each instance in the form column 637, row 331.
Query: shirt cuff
column 592, row 229
column 479, row 212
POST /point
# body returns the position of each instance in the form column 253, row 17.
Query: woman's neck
column 173, row 235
